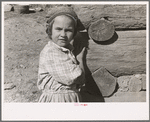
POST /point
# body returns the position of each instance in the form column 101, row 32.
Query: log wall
column 124, row 54
column 127, row 55
column 122, row 16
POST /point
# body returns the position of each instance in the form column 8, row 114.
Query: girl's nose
column 63, row 34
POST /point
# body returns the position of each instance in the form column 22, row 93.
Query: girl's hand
column 79, row 86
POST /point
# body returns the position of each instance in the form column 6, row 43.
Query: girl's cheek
column 70, row 33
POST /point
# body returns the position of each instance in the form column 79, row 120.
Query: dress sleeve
column 63, row 69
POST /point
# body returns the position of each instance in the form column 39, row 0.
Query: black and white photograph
column 75, row 58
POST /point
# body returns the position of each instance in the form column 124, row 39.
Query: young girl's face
column 63, row 30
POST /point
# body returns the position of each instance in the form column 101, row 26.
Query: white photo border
column 69, row 111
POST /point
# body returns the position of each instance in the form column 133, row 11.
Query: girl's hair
column 50, row 25
column 49, row 29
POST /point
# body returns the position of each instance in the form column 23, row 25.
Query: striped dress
column 59, row 74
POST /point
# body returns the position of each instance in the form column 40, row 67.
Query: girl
column 60, row 72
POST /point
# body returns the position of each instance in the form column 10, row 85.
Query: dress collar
column 63, row 49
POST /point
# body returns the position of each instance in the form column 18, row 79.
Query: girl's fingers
column 84, row 50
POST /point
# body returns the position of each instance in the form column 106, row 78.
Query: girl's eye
column 69, row 30
column 58, row 29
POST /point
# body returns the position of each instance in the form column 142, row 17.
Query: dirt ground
column 24, row 38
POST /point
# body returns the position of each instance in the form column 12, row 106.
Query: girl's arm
column 63, row 70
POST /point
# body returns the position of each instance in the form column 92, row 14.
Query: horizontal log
column 123, row 54
column 126, row 55
column 122, row 16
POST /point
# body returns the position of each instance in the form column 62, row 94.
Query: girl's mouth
column 63, row 40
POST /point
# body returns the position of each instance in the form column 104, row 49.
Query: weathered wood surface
column 122, row 16
column 101, row 30
column 100, row 83
column 105, row 81
column 126, row 55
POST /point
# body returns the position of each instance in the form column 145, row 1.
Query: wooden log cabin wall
column 116, row 37
column 125, row 52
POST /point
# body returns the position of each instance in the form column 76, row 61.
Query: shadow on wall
column 107, row 42
column 81, row 40
column 90, row 92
